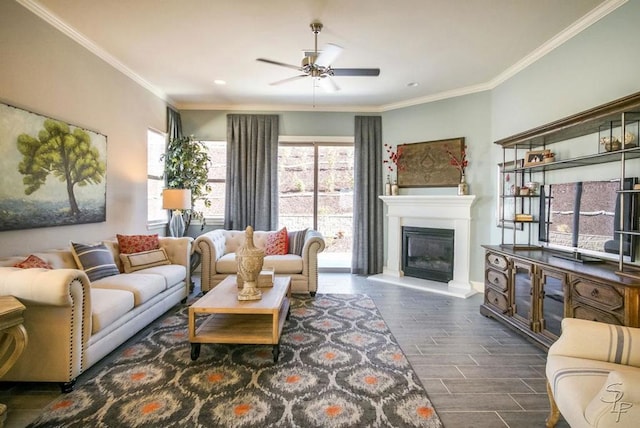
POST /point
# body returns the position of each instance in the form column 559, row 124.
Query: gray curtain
column 174, row 124
column 368, row 239
column 252, row 172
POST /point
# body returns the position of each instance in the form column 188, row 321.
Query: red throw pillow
column 130, row 244
column 33, row 262
column 277, row 243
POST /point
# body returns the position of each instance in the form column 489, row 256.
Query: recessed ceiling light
column 413, row 84
column 219, row 82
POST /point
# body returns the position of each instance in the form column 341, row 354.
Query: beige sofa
column 217, row 249
column 72, row 323
column 593, row 375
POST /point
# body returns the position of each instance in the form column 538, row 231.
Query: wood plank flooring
column 477, row 372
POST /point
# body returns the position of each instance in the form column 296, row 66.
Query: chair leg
column 554, row 412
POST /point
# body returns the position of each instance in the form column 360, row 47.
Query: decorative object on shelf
column 427, row 164
column 535, row 157
column 613, row 143
column 187, row 164
column 176, row 200
column 394, row 188
column 549, row 157
column 387, row 187
column 250, row 260
column 524, row 191
column 507, row 177
column 43, row 185
column 533, row 187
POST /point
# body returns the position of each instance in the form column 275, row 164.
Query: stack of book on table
column 524, row 217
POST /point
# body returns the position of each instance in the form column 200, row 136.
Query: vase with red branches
column 392, row 164
column 460, row 163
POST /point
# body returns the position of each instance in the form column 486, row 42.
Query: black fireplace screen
column 427, row 253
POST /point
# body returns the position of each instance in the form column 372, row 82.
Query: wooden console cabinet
column 531, row 291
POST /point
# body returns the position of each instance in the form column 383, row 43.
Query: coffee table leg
column 276, row 352
column 195, row 351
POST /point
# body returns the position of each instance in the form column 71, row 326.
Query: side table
column 13, row 339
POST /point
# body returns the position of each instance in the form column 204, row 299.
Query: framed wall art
column 535, row 157
column 53, row 173
column 506, row 188
column 427, row 164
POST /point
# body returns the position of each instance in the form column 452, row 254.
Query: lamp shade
column 176, row 199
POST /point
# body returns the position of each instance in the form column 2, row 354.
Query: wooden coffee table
column 241, row 322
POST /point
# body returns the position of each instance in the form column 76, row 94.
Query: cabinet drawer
column 604, row 295
column 497, row 280
column 588, row 313
column 497, row 261
column 496, row 299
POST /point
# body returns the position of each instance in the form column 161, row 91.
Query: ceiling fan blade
column 289, row 79
column 282, row 64
column 356, row 71
column 328, row 54
column 328, row 84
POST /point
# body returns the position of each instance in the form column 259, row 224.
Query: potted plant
column 187, row 166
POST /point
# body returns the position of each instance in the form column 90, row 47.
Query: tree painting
column 52, row 173
column 67, row 155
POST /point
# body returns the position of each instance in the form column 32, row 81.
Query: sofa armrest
column 313, row 244
column 615, row 344
column 617, row 404
column 57, row 319
column 210, row 246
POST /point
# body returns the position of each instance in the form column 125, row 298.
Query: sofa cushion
column 613, row 405
column 145, row 259
column 296, row 241
column 277, row 243
column 32, row 262
column 286, row 263
column 130, row 244
column 96, row 260
column 143, row 286
column 107, row 306
column 172, row 274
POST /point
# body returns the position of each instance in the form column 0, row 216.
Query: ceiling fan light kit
column 317, row 64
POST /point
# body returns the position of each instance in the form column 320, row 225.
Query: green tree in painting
column 68, row 156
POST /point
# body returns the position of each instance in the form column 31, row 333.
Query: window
column 217, row 180
column 156, row 146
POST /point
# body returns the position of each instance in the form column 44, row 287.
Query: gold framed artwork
column 535, row 157
column 427, row 164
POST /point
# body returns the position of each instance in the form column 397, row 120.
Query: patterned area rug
column 339, row 366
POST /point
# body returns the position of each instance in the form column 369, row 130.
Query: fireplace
column 428, row 253
column 447, row 212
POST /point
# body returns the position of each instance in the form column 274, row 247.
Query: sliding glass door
column 316, row 191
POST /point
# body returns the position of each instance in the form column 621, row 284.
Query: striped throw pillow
column 96, row 260
column 296, row 241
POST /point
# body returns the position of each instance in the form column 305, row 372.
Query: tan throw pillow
column 145, row 259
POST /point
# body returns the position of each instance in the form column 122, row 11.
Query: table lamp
column 176, row 200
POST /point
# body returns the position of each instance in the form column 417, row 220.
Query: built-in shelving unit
column 531, row 287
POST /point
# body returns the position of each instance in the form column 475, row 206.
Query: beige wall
column 46, row 72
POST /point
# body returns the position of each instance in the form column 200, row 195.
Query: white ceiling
column 177, row 48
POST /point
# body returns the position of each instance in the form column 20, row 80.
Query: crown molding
column 559, row 39
column 51, row 18
column 577, row 27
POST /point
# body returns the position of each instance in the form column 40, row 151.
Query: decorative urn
column 250, row 261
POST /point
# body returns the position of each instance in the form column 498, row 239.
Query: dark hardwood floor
column 477, row 372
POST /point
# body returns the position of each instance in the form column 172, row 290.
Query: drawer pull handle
column 495, row 300
column 496, row 261
column 495, row 280
column 595, row 292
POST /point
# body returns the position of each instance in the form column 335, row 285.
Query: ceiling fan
column 317, row 64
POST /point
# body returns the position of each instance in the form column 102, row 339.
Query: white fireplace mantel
column 434, row 211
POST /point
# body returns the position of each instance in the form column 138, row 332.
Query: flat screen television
column 582, row 217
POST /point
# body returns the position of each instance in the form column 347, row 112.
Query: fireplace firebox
column 427, row 253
